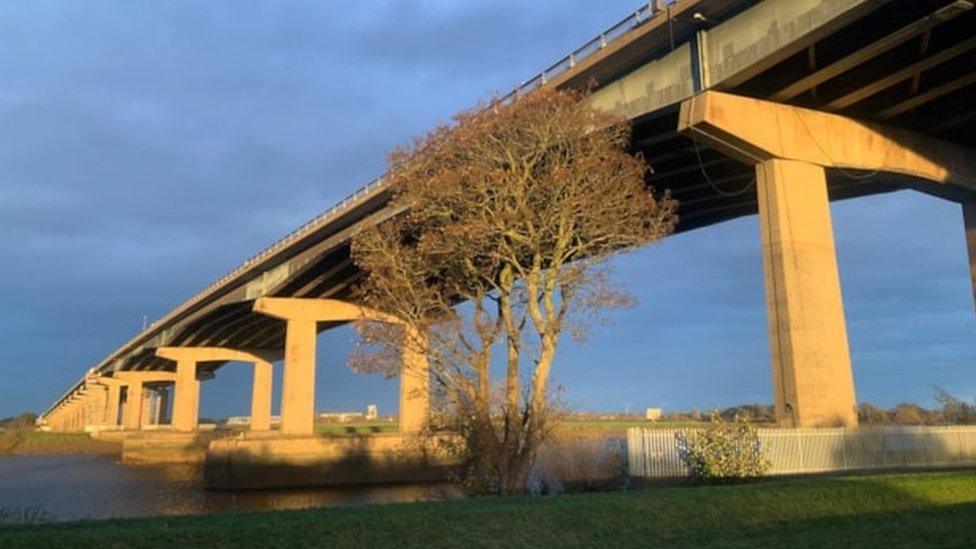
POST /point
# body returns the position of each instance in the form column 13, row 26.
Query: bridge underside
column 926, row 83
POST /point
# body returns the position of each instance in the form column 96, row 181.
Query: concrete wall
column 270, row 462
column 653, row 453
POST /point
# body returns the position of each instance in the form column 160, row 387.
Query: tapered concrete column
column 812, row 378
column 162, row 410
column 112, row 404
column 85, row 410
column 113, row 393
column 147, row 415
column 96, row 406
column 414, row 383
column 132, row 414
column 261, row 396
column 298, row 380
column 186, row 399
column 79, row 415
column 969, row 219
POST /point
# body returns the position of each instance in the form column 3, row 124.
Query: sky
column 147, row 148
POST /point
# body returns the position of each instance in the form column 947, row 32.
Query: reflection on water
column 75, row 487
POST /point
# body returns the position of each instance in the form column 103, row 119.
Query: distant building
column 371, row 412
column 240, row 421
column 653, row 414
column 341, row 417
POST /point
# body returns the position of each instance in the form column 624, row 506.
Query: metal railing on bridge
column 640, row 16
column 653, row 453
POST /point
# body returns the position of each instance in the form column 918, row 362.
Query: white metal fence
column 654, row 452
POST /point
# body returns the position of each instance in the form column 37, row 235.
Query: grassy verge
column 355, row 428
column 571, row 426
column 911, row 510
column 30, row 442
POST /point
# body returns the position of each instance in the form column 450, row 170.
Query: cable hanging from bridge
column 701, row 168
column 847, row 173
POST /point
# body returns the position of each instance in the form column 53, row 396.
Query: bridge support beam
column 186, row 397
column 790, row 148
column 113, row 395
column 114, row 401
column 811, row 366
column 261, row 388
column 414, row 383
column 298, row 378
column 71, row 414
column 186, row 401
column 298, row 393
column 133, row 414
column 78, row 419
column 96, row 398
column 969, row 219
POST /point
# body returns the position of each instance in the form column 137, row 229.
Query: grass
column 355, row 428
column 31, row 442
column 571, row 425
column 614, row 426
column 41, row 437
column 907, row 510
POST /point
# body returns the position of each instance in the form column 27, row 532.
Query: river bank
column 38, row 443
column 918, row 510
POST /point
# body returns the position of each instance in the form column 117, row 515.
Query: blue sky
column 146, row 148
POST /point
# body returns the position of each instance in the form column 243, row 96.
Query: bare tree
column 510, row 213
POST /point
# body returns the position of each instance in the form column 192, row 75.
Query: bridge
column 740, row 107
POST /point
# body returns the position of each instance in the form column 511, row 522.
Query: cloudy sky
column 146, row 148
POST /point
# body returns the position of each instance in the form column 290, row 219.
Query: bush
column 25, row 420
column 954, row 410
column 725, row 451
column 9, row 440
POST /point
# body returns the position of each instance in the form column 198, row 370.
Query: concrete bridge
column 740, row 107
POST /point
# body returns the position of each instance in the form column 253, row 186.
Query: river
column 71, row 487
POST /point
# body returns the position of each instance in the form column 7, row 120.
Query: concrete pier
column 288, row 462
column 165, row 447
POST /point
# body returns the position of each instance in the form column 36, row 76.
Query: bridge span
column 740, row 107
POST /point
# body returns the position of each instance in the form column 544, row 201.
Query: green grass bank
column 27, row 442
column 908, row 510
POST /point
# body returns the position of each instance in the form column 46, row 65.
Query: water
column 75, row 487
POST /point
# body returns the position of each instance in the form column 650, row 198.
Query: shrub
column 25, row 420
column 955, row 411
column 725, row 451
column 9, row 440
